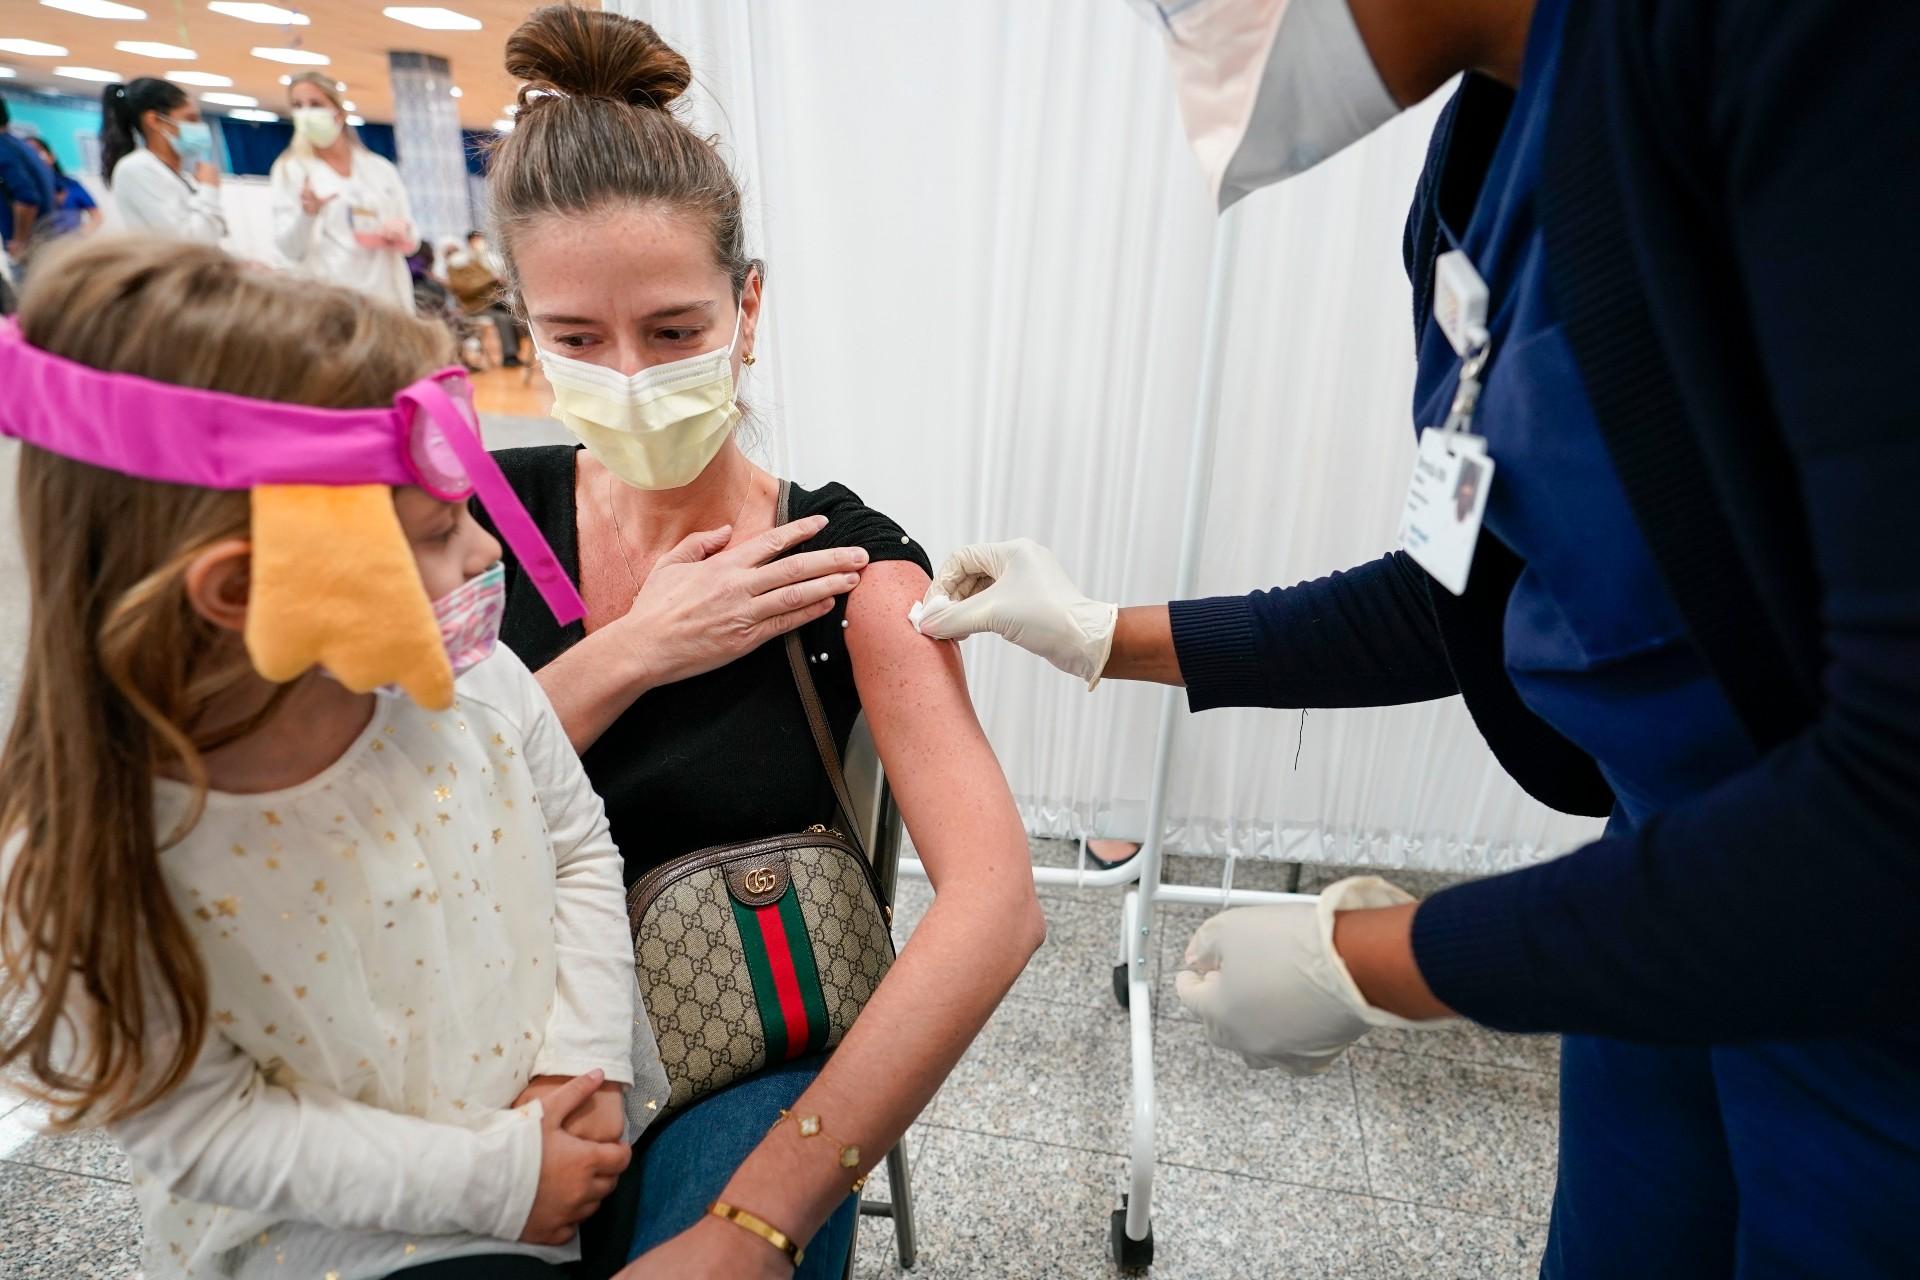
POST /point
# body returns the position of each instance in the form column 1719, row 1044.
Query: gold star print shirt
column 394, row 948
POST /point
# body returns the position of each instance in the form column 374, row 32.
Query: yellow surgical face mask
column 655, row 429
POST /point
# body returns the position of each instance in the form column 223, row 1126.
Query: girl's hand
column 702, row 607
column 575, row 1175
column 710, row 1250
column 601, row 1118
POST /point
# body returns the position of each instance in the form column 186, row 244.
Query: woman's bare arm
column 984, row 924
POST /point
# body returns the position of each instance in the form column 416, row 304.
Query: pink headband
column 429, row 437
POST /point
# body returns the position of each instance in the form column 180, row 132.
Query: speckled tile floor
column 1425, row 1156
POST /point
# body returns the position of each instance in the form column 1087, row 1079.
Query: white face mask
column 318, row 125
column 1269, row 88
column 655, row 429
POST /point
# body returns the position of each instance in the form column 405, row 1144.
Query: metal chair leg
column 901, row 1189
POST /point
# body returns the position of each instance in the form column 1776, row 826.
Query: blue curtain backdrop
column 476, row 143
column 253, row 147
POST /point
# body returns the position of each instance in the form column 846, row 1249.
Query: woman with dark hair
column 73, row 208
column 157, row 155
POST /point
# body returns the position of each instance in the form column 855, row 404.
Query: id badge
column 364, row 223
column 1446, row 501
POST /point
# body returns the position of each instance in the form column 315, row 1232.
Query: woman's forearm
column 594, row 682
column 951, row 976
column 1143, row 647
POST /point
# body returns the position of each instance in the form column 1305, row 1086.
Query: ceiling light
column 503, row 126
column 292, row 57
column 346, row 104
column 454, row 92
column 286, row 79
column 208, row 79
column 155, row 49
column 432, row 18
column 94, row 74
column 258, row 117
column 33, row 48
column 230, row 99
column 339, row 86
column 98, row 9
column 271, row 15
column 6, row 73
column 511, row 109
column 356, row 121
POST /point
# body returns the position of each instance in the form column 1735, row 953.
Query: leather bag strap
column 816, row 714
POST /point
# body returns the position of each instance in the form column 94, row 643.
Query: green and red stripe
column 786, row 981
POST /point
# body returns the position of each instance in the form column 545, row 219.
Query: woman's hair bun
column 590, row 54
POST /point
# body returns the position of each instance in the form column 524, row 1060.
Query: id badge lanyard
column 1453, row 473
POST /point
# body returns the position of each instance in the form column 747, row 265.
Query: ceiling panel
column 354, row 34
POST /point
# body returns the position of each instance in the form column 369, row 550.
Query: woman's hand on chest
column 701, row 606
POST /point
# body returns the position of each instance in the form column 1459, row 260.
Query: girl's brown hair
column 103, row 996
column 595, row 128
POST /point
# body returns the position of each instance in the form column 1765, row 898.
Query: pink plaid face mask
column 469, row 618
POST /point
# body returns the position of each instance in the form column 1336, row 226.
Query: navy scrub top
column 1594, row 645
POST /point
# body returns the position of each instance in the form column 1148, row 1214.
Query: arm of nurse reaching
column 1287, row 985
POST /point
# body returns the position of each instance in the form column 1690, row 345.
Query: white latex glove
column 1268, row 984
column 1018, row 591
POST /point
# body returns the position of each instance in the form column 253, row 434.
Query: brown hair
column 595, row 128
column 97, row 969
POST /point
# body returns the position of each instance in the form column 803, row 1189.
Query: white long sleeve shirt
column 150, row 196
column 322, row 245
column 394, row 948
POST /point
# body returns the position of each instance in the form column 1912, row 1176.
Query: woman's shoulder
column 852, row 523
column 137, row 163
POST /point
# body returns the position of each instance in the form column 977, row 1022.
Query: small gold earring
column 747, row 359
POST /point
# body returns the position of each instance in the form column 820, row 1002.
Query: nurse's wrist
column 1376, row 945
column 1143, row 647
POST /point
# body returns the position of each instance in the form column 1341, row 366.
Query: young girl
column 349, row 979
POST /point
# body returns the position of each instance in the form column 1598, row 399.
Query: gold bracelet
column 759, row 1226
column 809, row 1127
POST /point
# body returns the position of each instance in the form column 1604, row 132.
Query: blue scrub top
column 1593, row 642
column 24, row 179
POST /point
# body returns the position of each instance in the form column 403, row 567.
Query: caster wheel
column 1121, row 989
column 1129, row 1254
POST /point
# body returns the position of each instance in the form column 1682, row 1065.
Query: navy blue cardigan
column 1730, row 206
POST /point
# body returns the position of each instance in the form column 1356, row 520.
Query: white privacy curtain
column 987, row 249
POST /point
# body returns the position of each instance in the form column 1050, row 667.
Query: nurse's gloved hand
column 1269, row 985
column 1018, row 591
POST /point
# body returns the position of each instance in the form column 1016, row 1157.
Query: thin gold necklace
column 620, row 537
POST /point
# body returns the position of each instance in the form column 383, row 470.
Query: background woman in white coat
column 339, row 211
column 157, row 156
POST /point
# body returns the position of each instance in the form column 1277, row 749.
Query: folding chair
column 881, row 830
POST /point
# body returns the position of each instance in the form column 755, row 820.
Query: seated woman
column 621, row 232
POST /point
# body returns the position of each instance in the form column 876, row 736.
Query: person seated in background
column 474, row 279
column 73, row 208
column 432, row 300
column 623, row 239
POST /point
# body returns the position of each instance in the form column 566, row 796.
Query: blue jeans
column 687, row 1158
column 1737, row 1162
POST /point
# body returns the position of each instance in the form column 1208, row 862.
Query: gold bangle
column 759, row 1226
column 809, row 1127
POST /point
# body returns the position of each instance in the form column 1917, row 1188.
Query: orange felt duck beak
column 334, row 585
